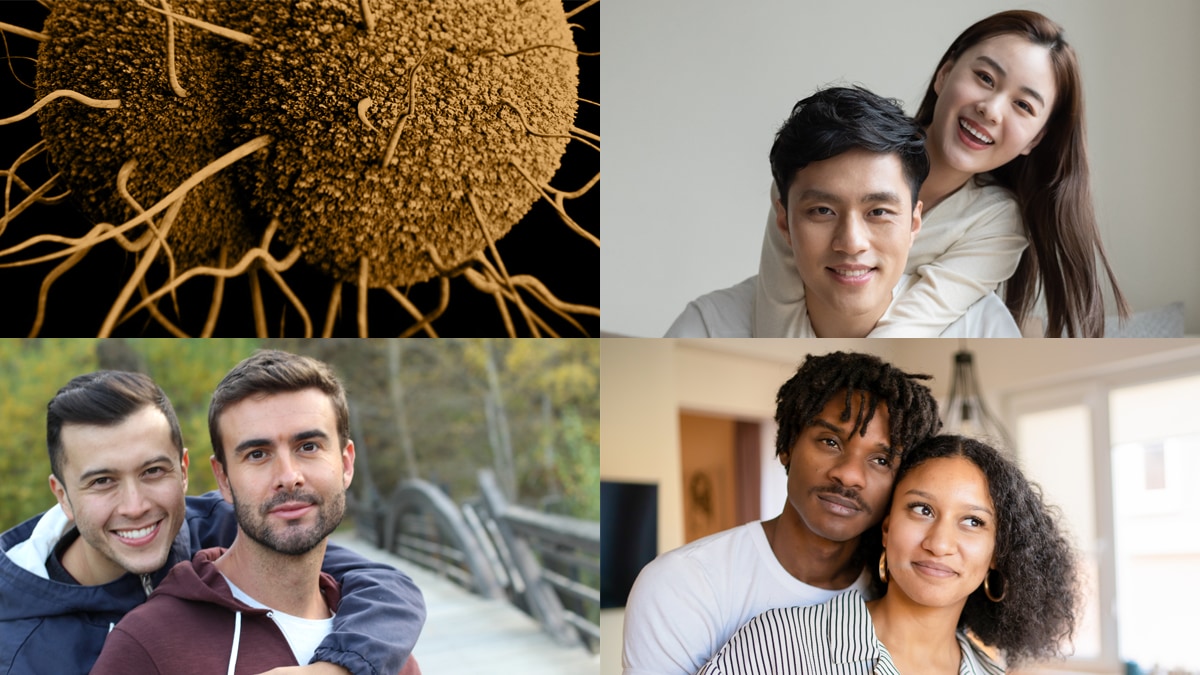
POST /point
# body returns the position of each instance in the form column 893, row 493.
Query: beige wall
column 645, row 383
column 695, row 90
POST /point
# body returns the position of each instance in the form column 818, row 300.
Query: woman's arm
column 961, row 254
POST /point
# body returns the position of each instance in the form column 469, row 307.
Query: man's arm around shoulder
column 380, row 615
column 381, row 612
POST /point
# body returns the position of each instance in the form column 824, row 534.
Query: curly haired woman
column 969, row 548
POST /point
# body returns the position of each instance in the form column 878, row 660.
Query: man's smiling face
column 124, row 487
column 850, row 223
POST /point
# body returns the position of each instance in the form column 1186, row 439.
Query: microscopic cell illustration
column 302, row 167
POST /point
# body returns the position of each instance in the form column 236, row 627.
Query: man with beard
column 282, row 456
column 122, row 522
column 845, row 421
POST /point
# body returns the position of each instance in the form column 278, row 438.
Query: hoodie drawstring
column 237, row 636
column 147, row 585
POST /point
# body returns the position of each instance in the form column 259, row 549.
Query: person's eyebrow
column 818, row 422
column 829, row 425
column 971, row 507
column 1000, row 69
column 311, row 433
column 251, row 443
column 884, row 197
column 813, row 194
column 104, row 471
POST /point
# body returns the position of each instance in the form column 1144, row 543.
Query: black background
column 541, row 245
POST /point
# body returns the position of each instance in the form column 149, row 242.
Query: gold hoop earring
column 988, row 591
column 883, row 566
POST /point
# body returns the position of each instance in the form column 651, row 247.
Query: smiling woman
column 370, row 143
column 972, row 555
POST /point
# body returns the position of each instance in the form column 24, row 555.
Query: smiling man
column 848, row 166
column 845, row 421
column 117, row 529
column 120, row 476
column 283, row 458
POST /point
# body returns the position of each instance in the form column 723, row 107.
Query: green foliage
column 188, row 371
column 432, row 421
column 579, row 472
column 550, row 393
column 31, row 372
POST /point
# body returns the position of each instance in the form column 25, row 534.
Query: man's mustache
column 284, row 498
column 845, row 493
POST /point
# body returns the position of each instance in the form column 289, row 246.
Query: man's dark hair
column 838, row 119
column 104, row 398
column 269, row 372
column 1036, row 572
column 912, row 410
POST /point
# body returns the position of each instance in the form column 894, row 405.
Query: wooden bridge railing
column 547, row 565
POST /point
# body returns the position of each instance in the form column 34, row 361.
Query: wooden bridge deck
column 466, row 633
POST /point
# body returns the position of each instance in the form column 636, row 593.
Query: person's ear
column 883, row 527
column 916, row 221
column 781, row 221
column 1034, row 143
column 347, row 464
column 222, row 479
column 785, row 458
column 183, row 466
column 940, row 77
column 60, row 493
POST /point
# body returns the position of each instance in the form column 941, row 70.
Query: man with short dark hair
column 848, row 166
column 120, row 475
column 845, row 421
column 283, row 458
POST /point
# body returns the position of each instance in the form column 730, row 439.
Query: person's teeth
column 135, row 534
column 852, row 273
column 976, row 134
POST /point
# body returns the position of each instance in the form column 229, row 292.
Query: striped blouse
column 833, row 637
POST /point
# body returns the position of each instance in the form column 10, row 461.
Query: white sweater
column 729, row 312
column 968, row 244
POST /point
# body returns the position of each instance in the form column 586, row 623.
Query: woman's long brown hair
column 1053, row 188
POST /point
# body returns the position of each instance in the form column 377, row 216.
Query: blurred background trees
column 435, row 409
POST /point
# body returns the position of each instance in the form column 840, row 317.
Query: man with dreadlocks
column 845, row 420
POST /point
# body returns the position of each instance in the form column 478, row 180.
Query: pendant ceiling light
column 965, row 412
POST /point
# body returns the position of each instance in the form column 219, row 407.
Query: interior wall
column 707, row 447
column 694, row 92
column 645, row 383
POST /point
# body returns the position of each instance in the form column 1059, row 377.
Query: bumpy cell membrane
column 117, row 51
column 380, row 139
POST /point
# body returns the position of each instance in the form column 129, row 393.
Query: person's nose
column 852, row 236
column 988, row 110
column 287, row 472
column 849, row 472
column 940, row 539
column 133, row 502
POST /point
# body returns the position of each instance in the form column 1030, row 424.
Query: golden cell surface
column 282, row 167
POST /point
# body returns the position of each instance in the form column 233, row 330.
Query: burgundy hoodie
column 193, row 624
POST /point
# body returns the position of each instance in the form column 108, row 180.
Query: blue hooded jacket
column 51, row 628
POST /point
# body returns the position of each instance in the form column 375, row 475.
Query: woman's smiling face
column 993, row 104
column 941, row 532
